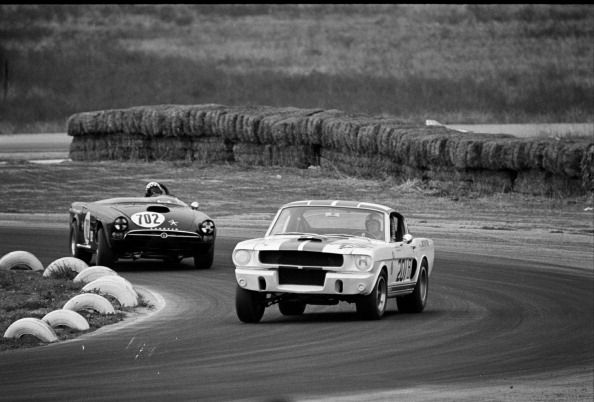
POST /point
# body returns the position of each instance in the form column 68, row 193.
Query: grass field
column 454, row 63
column 28, row 294
column 230, row 190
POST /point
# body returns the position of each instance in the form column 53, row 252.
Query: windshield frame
column 331, row 232
column 162, row 199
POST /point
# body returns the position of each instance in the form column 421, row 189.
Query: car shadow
column 152, row 265
column 347, row 316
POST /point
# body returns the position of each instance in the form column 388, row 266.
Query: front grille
column 159, row 241
column 305, row 276
column 174, row 234
column 300, row 258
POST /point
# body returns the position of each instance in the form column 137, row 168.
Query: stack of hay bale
column 355, row 144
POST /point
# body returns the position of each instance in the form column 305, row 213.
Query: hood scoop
column 158, row 208
column 309, row 238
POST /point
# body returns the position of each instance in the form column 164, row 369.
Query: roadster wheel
column 416, row 301
column 204, row 260
column 292, row 307
column 75, row 251
column 249, row 305
column 373, row 306
column 105, row 256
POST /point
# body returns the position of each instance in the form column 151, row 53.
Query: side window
column 403, row 228
column 396, row 228
column 393, row 227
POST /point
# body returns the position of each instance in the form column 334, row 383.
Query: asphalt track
column 487, row 319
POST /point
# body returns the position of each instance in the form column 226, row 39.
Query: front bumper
column 161, row 243
column 329, row 282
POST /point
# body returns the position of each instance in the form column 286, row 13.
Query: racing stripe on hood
column 303, row 245
column 325, row 245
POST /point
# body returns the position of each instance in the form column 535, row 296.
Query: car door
column 402, row 256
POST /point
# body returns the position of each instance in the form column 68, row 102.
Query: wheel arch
column 99, row 225
column 383, row 270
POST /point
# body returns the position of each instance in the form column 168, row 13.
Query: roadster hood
column 325, row 244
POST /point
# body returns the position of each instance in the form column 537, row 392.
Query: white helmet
column 154, row 188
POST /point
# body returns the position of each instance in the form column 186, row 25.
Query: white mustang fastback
column 325, row 252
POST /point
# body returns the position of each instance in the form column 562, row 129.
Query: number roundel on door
column 148, row 219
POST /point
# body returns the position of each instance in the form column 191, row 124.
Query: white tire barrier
column 115, row 286
column 23, row 260
column 119, row 280
column 31, row 326
column 92, row 273
column 90, row 301
column 66, row 318
column 65, row 267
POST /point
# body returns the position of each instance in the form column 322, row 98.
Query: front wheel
column 105, row 255
column 416, row 301
column 74, row 250
column 249, row 305
column 373, row 306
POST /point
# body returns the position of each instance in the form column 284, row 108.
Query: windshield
column 325, row 220
column 163, row 199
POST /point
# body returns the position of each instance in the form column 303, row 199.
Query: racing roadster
column 324, row 252
column 141, row 227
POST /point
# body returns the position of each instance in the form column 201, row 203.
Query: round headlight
column 363, row 262
column 120, row 224
column 206, row 228
column 242, row 257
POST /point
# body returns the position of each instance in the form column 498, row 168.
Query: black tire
column 249, row 305
column 76, row 251
column 292, row 307
column 204, row 260
column 416, row 301
column 373, row 306
column 105, row 254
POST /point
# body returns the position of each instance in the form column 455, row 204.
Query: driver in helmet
column 373, row 226
column 154, row 189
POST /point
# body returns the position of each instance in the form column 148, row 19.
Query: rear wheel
column 373, row 306
column 204, row 260
column 105, row 256
column 292, row 307
column 249, row 305
column 416, row 301
column 74, row 250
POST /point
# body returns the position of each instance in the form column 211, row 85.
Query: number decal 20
column 148, row 219
column 404, row 269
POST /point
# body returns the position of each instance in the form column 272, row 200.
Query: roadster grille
column 301, row 258
column 160, row 241
column 305, row 276
column 158, row 233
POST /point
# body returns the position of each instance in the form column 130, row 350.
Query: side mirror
column 194, row 205
column 407, row 238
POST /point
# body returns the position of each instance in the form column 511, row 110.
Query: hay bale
column 199, row 125
column 299, row 156
column 587, row 169
column 284, row 126
column 365, row 166
column 211, row 150
column 313, row 122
